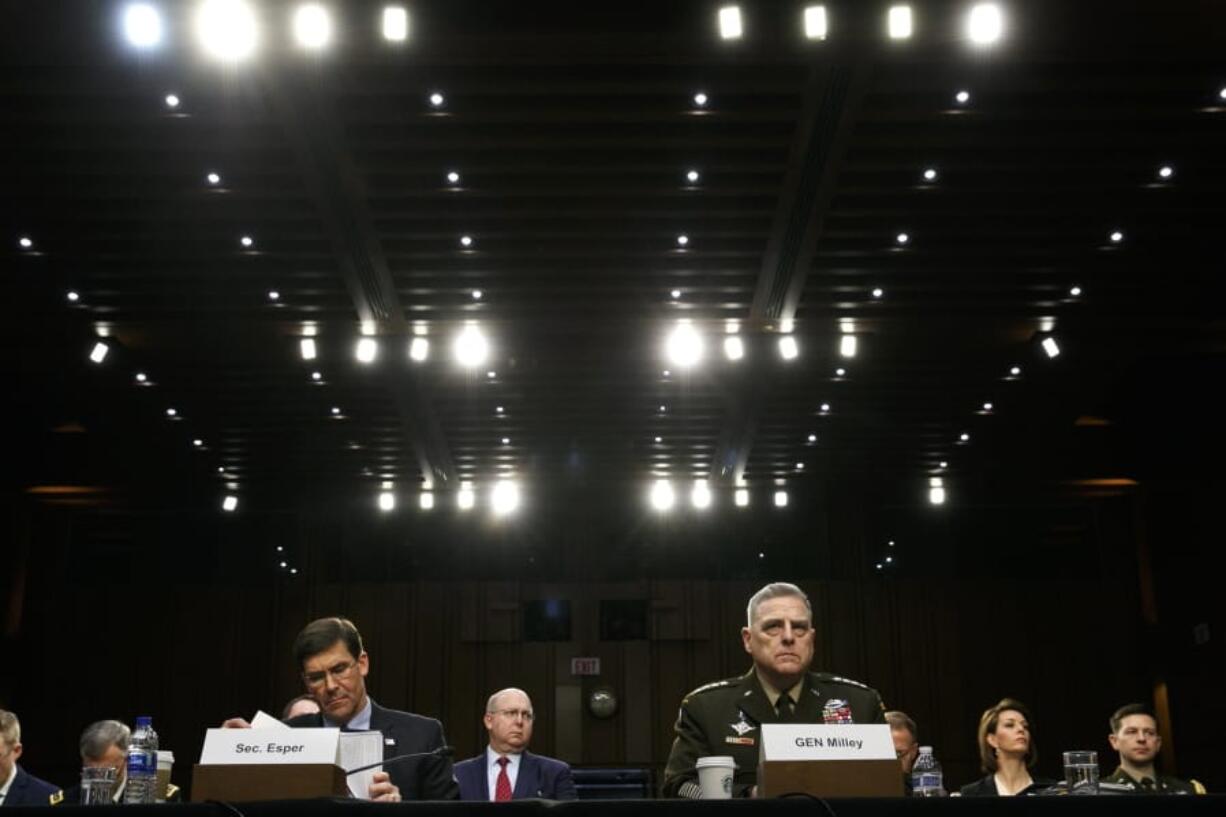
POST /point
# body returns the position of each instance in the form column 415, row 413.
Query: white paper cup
column 715, row 776
column 166, row 761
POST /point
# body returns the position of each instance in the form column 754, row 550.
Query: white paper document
column 263, row 720
column 361, row 749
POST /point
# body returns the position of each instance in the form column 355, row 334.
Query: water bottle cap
column 925, row 750
column 144, row 720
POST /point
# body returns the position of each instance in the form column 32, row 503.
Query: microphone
column 441, row 751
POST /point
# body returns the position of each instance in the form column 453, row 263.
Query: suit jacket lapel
column 527, row 782
column 484, row 777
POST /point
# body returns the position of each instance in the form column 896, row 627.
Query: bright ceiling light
column 25, row 242
column 230, row 503
column 213, row 178
column 336, row 411
column 307, row 347
column 812, row 438
column 692, row 176
column 730, row 27
column 477, row 294
column 227, row 29
column 98, row 353
column 964, row 437
column 247, row 242
column 878, row 292
column 1165, row 172
column 72, row 295
column 899, row 22
column 962, row 97
column 198, row 443
column 847, row 346
column 453, row 177
column 1075, row 291
column 312, row 26
column 1116, row 237
column 815, row 23
column 367, row 350
column 930, row 174
column 466, row 241
column 317, row 377
column 700, row 494
column 274, row 295
column 470, row 347
column 1051, row 347
column 1015, row 371
column 825, row 408
column 142, row 25
column 734, row 347
column 419, row 349
column 141, row 377
column 936, row 491
column 172, row 101
column 839, row 372
column 426, row 500
column 437, row 100
column 987, row 406
column 788, row 349
column 387, row 501
column 395, row 24
column 701, row 99
column 172, row 412
column 985, row 23
column 684, row 346
column 498, row 409
column 504, row 499
column 662, row 497
column 465, row 498
column 902, row 238
column 741, row 497
column 781, row 499
column 676, row 293
column 683, row 240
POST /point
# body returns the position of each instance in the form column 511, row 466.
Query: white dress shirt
column 493, row 768
column 4, row 790
column 358, row 723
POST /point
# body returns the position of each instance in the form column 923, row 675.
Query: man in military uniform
column 1134, row 734
column 723, row 718
column 17, row 786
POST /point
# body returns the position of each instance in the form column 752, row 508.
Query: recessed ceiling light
column 662, row 497
column 1222, row 93
column 172, row 101
column 395, row 24
column 1051, row 347
column 936, row 491
column 227, row 29
column 676, row 293
column 683, row 240
column 336, row 410
column 815, row 21
column 426, row 500
column 247, row 241
column 840, row 372
column 141, row 377
column 734, row 347
column 692, row 176
column 730, row 27
column 964, row 437
column 307, row 347
column 741, row 497
column 666, row 373
column 825, row 408
column 930, row 174
column 274, row 295
column 498, row 409
column 99, row 352
column 230, row 504
column 847, row 346
column 659, row 439
column 466, row 241
column 470, row 347
column 198, row 443
column 316, row 376
column 506, row 440
column 700, row 494
column 800, row 466
column 437, row 100
column 419, row 349
column 25, row 242
column 1075, row 291
column 491, row 374
column 387, row 501
column 72, row 295
column 142, row 25
column 781, row 499
column 788, row 349
column 1117, row 237
column 504, row 498
column 984, row 24
column 878, row 292
column 700, row 99
column 962, row 97
column 684, row 345
column 812, row 438
column 943, row 465
column 367, row 350
column 477, row 294
column 1165, row 172
column 1015, row 371
column 213, row 178
column 902, row 238
column 453, row 177
column 987, row 406
column 663, row 408
column 899, row 22
column 170, row 412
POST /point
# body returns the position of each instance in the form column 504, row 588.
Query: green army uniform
column 1163, row 784
column 723, row 719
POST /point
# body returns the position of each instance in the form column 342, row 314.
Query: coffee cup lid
column 167, row 755
column 716, row 760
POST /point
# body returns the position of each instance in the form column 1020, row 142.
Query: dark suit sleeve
column 436, row 778
column 690, row 744
column 564, row 786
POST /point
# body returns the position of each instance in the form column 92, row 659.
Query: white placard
column 818, row 741
column 270, row 746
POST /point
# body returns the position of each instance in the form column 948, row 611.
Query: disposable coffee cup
column 715, row 776
column 166, row 761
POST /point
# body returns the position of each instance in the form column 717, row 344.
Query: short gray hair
column 10, row 728
column 102, row 735
column 489, row 705
column 775, row 590
column 901, row 720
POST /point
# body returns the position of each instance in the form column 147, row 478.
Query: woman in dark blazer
column 1006, row 752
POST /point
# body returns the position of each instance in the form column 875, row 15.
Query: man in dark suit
column 17, row 786
column 334, row 666
column 506, row 770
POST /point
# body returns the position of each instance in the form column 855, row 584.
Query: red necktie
column 502, row 789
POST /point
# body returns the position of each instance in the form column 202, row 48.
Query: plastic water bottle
column 142, row 763
column 926, row 777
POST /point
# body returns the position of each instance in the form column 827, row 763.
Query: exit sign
column 585, row 666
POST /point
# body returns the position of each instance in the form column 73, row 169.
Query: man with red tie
column 506, row 770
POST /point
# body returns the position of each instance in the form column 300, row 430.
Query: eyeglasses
column 337, row 671
column 512, row 714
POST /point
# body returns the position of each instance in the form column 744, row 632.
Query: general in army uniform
column 723, row 718
column 1134, row 734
